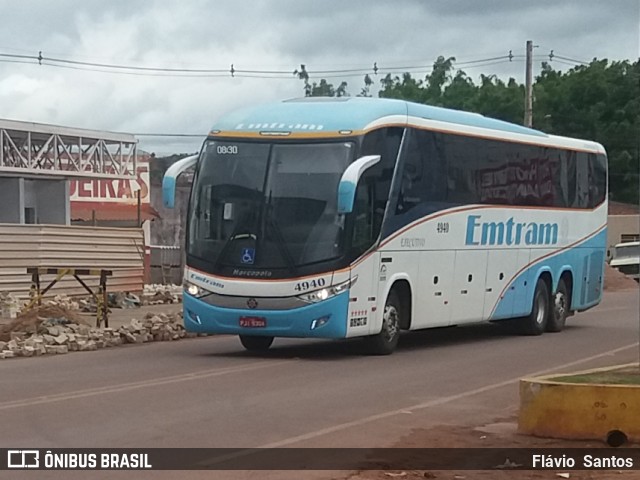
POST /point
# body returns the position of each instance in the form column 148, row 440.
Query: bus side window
column 363, row 219
column 373, row 188
column 582, row 180
column 598, row 179
column 423, row 177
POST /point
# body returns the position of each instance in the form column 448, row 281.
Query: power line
column 218, row 72
column 157, row 71
column 566, row 63
column 582, row 62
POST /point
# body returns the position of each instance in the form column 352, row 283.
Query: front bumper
column 201, row 317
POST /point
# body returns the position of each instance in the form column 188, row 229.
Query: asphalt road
column 209, row 392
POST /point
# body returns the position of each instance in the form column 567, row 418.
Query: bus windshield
column 267, row 206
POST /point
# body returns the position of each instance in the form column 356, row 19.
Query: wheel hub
column 560, row 303
column 540, row 310
column 390, row 324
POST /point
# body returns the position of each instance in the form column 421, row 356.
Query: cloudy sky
column 273, row 38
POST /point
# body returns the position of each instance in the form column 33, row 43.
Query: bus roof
column 330, row 116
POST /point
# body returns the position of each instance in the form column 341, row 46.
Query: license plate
column 253, row 322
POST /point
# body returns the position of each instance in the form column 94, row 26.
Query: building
column 38, row 165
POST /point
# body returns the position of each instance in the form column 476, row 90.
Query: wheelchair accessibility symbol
column 248, row 256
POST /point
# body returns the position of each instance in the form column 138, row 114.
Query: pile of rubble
column 154, row 294
column 63, row 301
column 61, row 335
column 157, row 294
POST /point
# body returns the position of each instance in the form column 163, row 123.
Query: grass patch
column 626, row 376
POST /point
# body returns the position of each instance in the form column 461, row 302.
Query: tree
column 366, row 90
column 599, row 101
column 322, row 89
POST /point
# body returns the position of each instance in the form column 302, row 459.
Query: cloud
column 278, row 34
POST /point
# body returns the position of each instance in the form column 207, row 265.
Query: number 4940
column 307, row 285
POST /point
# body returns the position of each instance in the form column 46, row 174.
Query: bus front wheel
column 385, row 342
column 256, row 343
column 536, row 322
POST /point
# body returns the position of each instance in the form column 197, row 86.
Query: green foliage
column 599, row 101
column 322, row 89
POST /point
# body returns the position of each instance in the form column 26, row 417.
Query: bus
column 362, row 217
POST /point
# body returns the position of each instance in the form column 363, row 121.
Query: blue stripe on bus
column 202, row 317
column 587, row 257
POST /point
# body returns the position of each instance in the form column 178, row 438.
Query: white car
column 626, row 258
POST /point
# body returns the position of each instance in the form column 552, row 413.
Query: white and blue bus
column 360, row 217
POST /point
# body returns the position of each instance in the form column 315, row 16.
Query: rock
column 84, row 330
column 61, row 339
column 53, row 331
column 27, row 351
column 13, row 346
column 3, row 346
column 136, row 325
column 57, row 349
column 8, row 354
column 87, row 346
column 18, row 336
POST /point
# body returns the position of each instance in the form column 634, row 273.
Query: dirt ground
column 501, row 434
column 616, row 281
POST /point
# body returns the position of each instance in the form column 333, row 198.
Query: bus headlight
column 328, row 292
column 193, row 289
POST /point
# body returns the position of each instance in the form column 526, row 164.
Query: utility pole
column 528, row 88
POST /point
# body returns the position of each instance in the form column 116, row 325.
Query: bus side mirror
column 349, row 181
column 170, row 178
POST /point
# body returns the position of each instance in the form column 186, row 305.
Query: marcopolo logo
column 510, row 232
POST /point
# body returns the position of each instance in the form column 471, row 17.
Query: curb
column 585, row 411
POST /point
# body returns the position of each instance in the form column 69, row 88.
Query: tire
column 256, row 343
column 385, row 342
column 536, row 322
column 560, row 306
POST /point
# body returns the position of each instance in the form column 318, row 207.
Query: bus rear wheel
column 536, row 322
column 561, row 303
column 385, row 342
column 256, row 343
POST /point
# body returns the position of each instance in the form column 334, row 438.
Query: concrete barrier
column 551, row 407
